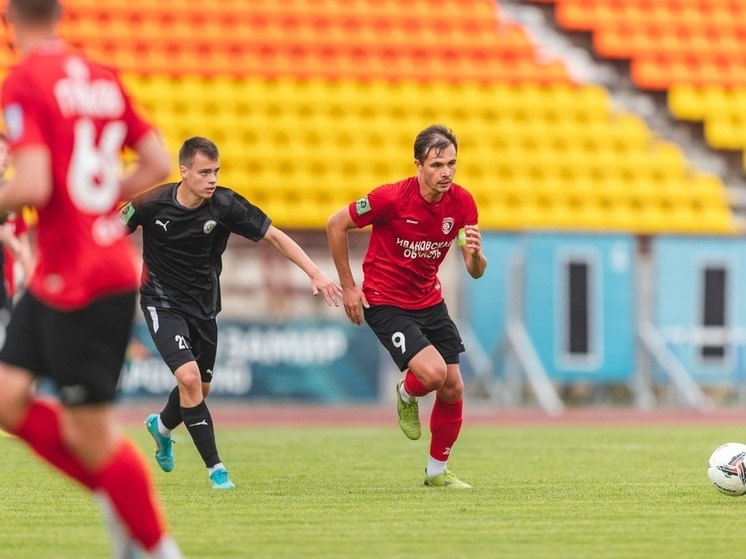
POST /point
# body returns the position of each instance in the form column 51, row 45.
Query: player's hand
column 353, row 300
column 331, row 291
column 473, row 239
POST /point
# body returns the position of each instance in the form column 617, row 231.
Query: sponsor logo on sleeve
column 362, row 206
column 126, row 213
column 13, row 115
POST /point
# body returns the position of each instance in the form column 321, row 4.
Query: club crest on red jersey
column 447, row 225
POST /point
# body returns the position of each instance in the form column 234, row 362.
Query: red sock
column 413, row 386
column 41, row 431
column 445, row 424
column 125, row 479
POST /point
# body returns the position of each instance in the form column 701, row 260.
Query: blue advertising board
column 486, row 299
column 577, row 297
column 579, row 305
column 700, row 304
column 314, row 361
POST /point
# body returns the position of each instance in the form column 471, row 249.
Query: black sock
column 199, row 423
column 171, row 414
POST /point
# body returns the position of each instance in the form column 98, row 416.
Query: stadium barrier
column 659, row 317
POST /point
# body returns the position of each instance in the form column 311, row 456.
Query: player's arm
column 474, row 258
column 293, row 252
column 153, row 166
column 130, row 215
column 31, row 184
column 25, row 256
column 336, row 231
column 11, row 242
column 19, row 248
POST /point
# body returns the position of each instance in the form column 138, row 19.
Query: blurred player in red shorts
column 415, row 221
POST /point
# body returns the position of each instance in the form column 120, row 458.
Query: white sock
column 122, row 545
column 215, row 468
column 161, row 429
column 435, row 467
column 405, row 396
column 166, row 549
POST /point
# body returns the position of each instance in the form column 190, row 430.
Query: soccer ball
column 727, row 470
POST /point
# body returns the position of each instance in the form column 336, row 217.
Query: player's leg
column 205, row 337
column 34, row 420
column 121, row 544
column 447, row 414
column 160, row 425
column 170, row 416
column 91, row 434
column 445, row 424
column 426, row 373
column 170, row 333
column 85, row 355
column 399, row 331
column 193, row 386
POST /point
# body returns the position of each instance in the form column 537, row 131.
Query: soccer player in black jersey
column 185, row 227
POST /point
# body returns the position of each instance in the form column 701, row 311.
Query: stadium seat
column 683, row 47
column 311, row 109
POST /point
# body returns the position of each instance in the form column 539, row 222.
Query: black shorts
column 181, row 338
column 82, row 351
column 405, row 333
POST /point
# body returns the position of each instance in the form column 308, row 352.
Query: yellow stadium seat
column 686, row 102
column 725, row 132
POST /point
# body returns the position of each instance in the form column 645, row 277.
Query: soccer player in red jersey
column 68, row 119
column 415, row 221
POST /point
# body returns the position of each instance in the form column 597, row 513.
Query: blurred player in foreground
column 415, row 221
column 67, row 120
column 185, row 227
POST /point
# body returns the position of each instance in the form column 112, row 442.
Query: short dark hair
column 195, row 145
column 36, row 11
column 435, row 136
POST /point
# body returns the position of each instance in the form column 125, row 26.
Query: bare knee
column 452, row 390
column 190, row 384
column 453, row 387
column 432, row 375
column 15, row 395
column 90, row 433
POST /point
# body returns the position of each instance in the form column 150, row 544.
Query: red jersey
column 80, row 112
column 410, row 239
column 16, row 225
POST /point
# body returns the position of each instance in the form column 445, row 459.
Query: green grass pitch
column 357, row 493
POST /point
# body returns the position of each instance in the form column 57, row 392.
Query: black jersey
column 182, row 247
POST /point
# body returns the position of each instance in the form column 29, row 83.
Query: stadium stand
column 314, row 102
column 692, row 49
